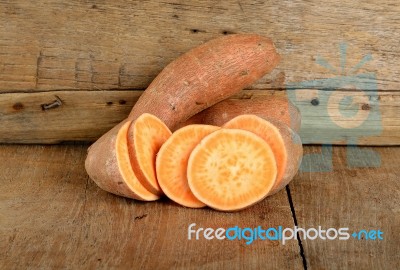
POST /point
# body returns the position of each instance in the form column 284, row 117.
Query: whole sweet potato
column 196, row 80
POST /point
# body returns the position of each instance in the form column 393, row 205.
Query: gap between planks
column 293, row 210
column 34, row 91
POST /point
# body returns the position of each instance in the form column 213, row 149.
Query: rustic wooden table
column 54, row 216
column 70, row 70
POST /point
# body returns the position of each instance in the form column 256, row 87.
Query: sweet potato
column 149, row 134
column 196, row 80
column 206, row 75
column 285, row 144
column 172, row 161
column 272, row 107
column 231, row 169
column 116, row 174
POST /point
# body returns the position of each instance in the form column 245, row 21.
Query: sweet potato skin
column 294, row 150
column 206, row 75
column 102, row 166
column 271, row 107
column 198, row 79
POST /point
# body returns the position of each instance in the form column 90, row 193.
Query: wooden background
column 52, row 216
column 71, row 70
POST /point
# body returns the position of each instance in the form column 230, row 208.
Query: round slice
column 172, row 161
column 146, row 135
column 129, row 177
column 231, row 169
column 285, row 144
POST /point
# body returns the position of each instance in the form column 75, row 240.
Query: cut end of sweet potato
column 146, row 135
column 285, row 144
column 231, row 169
column 125, row 167
column 107, row 164
column 172, row 161
column 268, row 133
column 294, row 150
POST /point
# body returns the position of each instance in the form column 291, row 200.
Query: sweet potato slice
column 172, row 160
column 231, row 169
column 109, row 166
column 194, row 81
column 147, row 136
column 273, row 107
column 285, row 144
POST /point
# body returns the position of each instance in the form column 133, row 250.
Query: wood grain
column 57, row 116
column 54, row 47
column 358, row 198
column 52, row 44
column 53, row 216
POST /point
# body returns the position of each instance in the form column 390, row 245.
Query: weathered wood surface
column 56, row 116
column 54, row 216
column 51, row 45
column 357, row 198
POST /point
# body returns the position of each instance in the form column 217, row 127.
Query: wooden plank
column 53, row 216
column 348, row 117
column 85, row 115
column 118, row 45
column 357, row 198
column 80, row 115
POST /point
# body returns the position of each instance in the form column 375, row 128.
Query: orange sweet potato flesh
column 294, row 151
column 196, row 80
column 116, row 174
column 149, row 134
column 284, row 142
column 231, row 169
column 172, row 161
column 271, row 107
